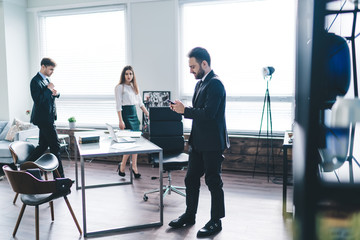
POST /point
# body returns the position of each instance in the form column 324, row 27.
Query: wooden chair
column 35, row 192
column 20, row 150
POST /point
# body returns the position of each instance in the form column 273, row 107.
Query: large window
column 89, row 48
column 242, row 37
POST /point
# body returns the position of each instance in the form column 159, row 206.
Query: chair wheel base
column 145, row 198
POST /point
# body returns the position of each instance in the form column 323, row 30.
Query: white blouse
column 125, row 95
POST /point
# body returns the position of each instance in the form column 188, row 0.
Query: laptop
column 117, row 139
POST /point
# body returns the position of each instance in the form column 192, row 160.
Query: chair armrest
column 63, row 186
column 23, row 135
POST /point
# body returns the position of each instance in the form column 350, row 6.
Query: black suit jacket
column 44, row 109
column 208, row 132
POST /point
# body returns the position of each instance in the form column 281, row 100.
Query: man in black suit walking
column 208, row 140
column 43, row 114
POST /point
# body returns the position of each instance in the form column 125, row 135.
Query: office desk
column 105, row 147
column 287, row 144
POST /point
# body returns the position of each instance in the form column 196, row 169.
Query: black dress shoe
column 182, row 221
column 211, row 228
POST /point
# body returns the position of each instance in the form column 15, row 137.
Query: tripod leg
column 257, row 145
column 271, row 135
column 356, row 161
column 267, row 134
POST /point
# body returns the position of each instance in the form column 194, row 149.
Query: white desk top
column 108, row 147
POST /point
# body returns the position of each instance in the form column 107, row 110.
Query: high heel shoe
column 122, row 174
column 136, row 175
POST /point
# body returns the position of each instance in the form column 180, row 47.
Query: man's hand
column 54, row 92
column 50, row 86
column 178, row 107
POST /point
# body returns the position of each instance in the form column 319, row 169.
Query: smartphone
column 171, row 102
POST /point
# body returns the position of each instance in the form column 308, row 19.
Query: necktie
column 197, row 90
column 198, row 86
column 54, row 105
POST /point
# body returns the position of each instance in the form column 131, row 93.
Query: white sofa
column 21, row 135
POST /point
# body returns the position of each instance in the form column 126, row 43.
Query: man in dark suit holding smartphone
column 43, row 114
column 208, row 140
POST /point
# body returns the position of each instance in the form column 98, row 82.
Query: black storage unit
column 312, row 84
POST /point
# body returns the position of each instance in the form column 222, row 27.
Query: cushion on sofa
column 16, row 127
column 2, row 125
column 11, row 133
column 5, row 130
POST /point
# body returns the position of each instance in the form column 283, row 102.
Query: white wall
column 14, row 63
column 4, row 103
column 154, row 46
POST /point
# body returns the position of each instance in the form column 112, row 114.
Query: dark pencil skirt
column 130, row 117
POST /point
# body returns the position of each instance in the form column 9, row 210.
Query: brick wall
column 244, row 151
column 239, row 157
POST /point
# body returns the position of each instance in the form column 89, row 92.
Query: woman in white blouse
column 127, row 97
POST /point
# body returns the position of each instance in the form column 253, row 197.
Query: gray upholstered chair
column 20, row 150
column 35, row 192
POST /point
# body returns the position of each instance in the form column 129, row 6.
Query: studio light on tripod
column 268, row 71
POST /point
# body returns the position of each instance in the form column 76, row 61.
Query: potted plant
column 72, row 121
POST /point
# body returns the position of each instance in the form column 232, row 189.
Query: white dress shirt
column 125, row 95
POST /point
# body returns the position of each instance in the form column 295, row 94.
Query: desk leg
column 83, row 194
column 131, row 175
column 76, row 165
column 161, row 187
column 136, row 227
column 285, row 175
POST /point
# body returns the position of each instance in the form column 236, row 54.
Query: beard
column 200, row 74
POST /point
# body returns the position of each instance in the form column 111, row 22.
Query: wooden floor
column 253, row 208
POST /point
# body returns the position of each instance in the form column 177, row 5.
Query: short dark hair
column 200, row 54
column 48, row 62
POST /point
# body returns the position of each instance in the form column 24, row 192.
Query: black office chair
column 166, row 131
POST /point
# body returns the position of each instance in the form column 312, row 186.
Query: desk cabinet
column 313, row 84
column 287, row 145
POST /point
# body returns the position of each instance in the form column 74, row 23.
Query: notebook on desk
column 117, row 139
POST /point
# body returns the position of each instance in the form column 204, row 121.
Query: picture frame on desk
column 154, row 99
